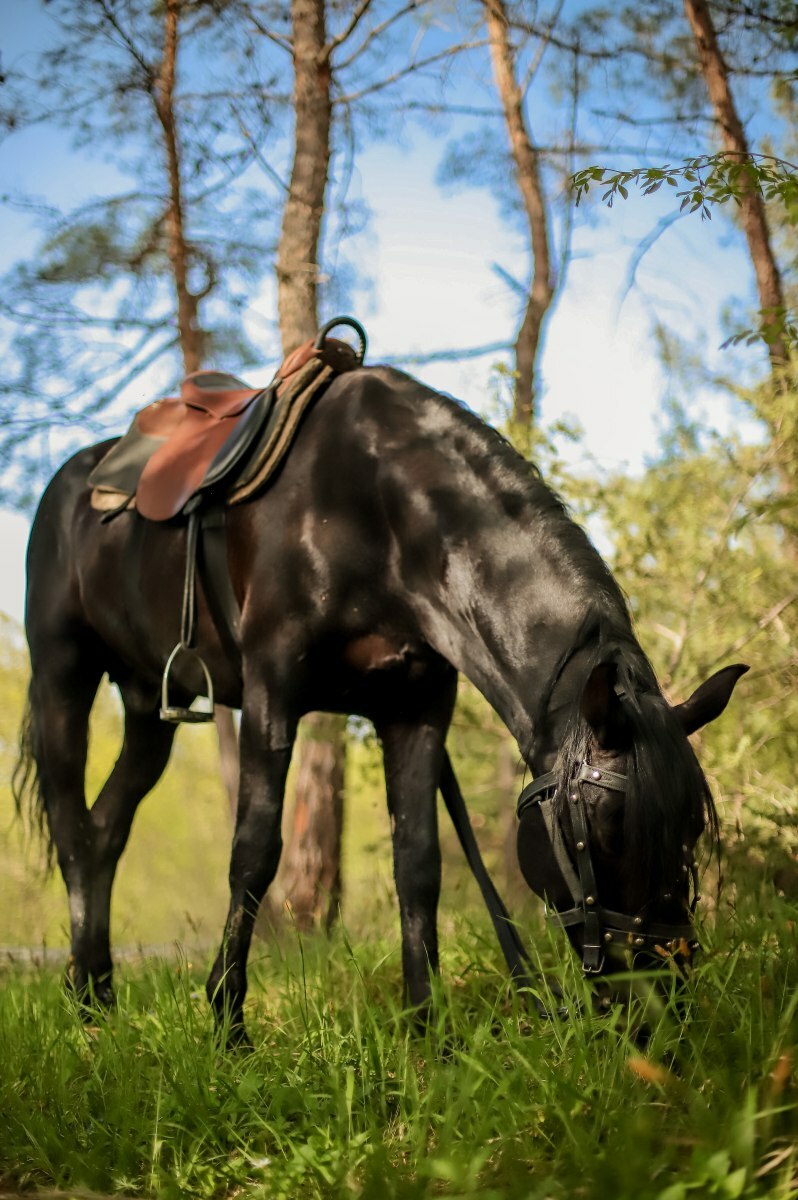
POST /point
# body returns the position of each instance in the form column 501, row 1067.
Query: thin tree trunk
column 177, row 248
column 191, row 335
column 228, row 754
column 752, row 209
column 527, row 168
column 309, row 881
column 300, row 235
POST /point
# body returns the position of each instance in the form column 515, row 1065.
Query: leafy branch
column 708, row 180
column 711, row 179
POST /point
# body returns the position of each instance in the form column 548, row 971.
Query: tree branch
column 453, row 355
column 283, row 42
column 266, row 167
column 543, row 43
column 564, row 257
column 129, row 45
column 766, row 619
column 361, row 8
column 378, row 30
column 414, row 66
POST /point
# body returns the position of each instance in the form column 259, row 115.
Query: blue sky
column 429, row 254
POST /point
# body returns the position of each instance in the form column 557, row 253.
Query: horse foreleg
column 257, row 843
column 413, row 758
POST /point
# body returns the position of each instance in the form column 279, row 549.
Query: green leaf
column 676, row 1191
column 734, row 1184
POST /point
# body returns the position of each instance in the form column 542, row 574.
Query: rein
column 602, row 926
column 515, row 954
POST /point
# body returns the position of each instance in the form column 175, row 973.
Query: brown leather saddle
column 220, row 437
column 188, row 457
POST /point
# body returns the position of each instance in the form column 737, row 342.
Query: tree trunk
column 228, row 754
column 300, row 235
column 177, row 247
column 191, row 335
column 527, row 169
column 309, row 880
column 752, row 209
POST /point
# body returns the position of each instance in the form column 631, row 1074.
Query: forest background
column 449, row 225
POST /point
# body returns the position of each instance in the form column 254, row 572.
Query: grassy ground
column 342, row 1098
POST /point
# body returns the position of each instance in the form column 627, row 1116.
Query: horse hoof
column 104, row 994
column 88, row 992
column 238, row 1041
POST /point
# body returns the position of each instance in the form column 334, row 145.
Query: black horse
column 402, row 541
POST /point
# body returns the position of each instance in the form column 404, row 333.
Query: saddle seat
column 219, row 436
column 206, row 433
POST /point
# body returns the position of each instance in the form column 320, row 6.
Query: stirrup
column 174, row 713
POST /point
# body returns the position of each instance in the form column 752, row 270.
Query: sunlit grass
column 342, row 1097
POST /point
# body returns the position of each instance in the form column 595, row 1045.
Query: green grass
column 342, row 1098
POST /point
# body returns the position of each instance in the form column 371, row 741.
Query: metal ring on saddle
column 353, row 324
column 175, row 713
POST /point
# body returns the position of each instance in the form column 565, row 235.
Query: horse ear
column 601, row 707
column 709, row 699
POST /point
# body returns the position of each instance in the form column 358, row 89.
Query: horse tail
column 26, row 781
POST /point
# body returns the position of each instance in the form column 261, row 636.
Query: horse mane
column 517, row 478
column 668, row 800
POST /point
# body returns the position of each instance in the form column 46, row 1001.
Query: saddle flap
column 177, row 468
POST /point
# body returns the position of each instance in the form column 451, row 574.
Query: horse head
column 608, row 837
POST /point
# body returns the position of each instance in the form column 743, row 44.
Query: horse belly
column 132, row 596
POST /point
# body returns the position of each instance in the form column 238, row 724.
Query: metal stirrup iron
column 175, row 713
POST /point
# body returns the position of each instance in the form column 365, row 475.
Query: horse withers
column 401, row 541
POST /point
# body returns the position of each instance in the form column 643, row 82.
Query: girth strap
column 216, row 582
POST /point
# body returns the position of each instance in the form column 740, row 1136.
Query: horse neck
column 502, row 580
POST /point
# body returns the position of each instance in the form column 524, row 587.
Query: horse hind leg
column 64, row 680
column 87, row 842
column 146, row 746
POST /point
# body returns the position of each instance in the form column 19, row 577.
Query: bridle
column 602, row 926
